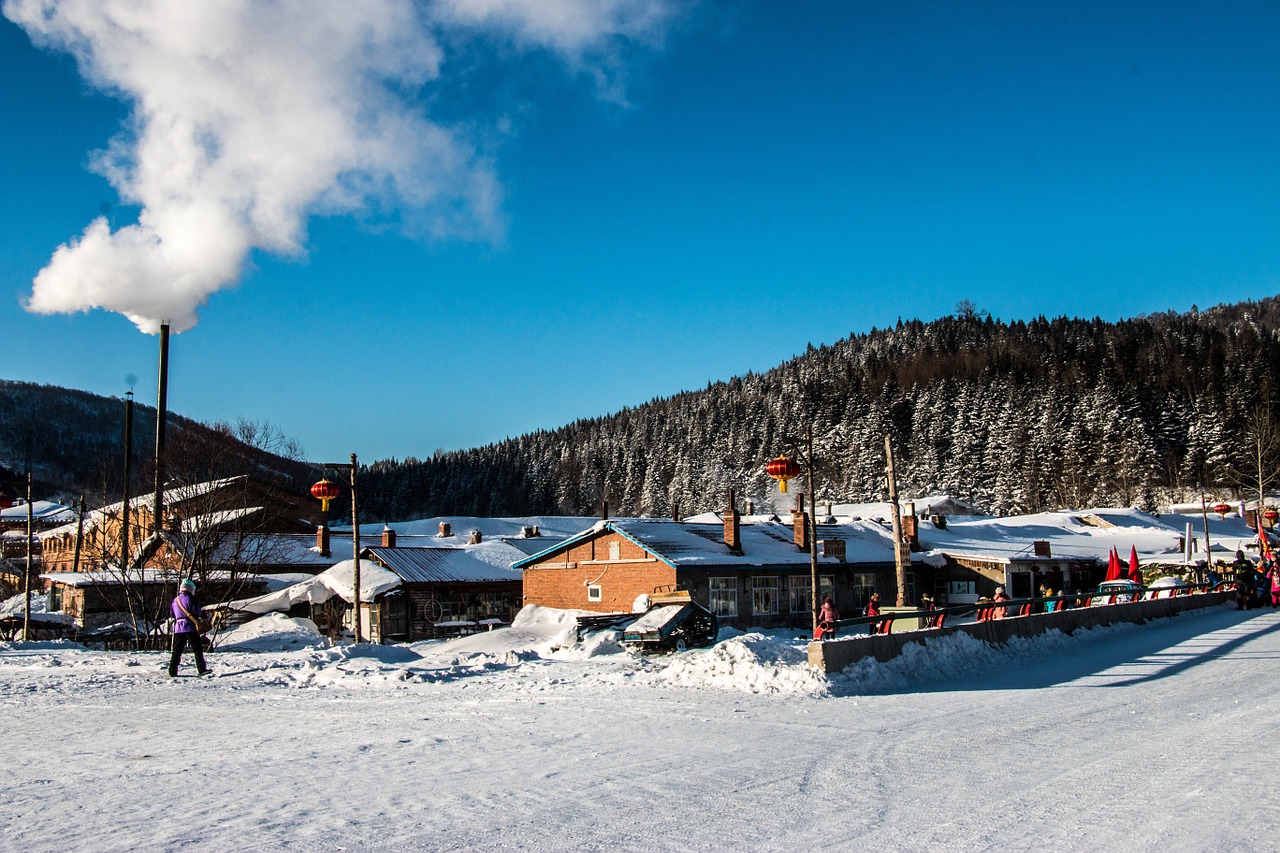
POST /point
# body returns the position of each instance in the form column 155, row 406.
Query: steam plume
column 248, row 116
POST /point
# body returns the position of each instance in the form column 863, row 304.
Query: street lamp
column 782, row 469
column 326, row 488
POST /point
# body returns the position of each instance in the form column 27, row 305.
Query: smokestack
column 604, row 510
column 732, row 529
column 162, row 405
column 675, row 511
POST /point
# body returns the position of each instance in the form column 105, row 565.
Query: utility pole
column 26, row 613
column 898, row 561
column 162, row 405
column 128, row 478
column 75, row 561
column 1208, row 555
column 813, row 527
column 351, row 468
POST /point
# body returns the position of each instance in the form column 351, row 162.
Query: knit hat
column 189, row 584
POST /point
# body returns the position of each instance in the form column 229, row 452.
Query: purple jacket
column 183, row 625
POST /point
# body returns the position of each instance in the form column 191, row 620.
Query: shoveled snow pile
column 749, row 663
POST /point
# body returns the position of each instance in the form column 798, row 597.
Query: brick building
column 751, row 572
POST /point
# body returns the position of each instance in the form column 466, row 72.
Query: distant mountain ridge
column 1013, row 417
column 75, row 441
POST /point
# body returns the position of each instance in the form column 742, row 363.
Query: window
column 764, row 595
column 798, row 587
column 615, row 550
column 962, row 588
column 593, row 592
column 862, row 585
column 724, row 596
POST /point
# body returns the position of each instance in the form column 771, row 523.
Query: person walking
column 1274, row 574
column 828, row 616
column 186, row 629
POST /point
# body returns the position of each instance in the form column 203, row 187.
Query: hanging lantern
column 5, row 501
column 1222, row 509
column 782, row 469
column 324, row 491
column 1271, row 515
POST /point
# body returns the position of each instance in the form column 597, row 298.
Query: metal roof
column 440, row 565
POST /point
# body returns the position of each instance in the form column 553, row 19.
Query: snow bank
column 748, row 663
column 271, row 633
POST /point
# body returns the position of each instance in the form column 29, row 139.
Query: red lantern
column 1271, row 515
column 1222, row 509
column 782, row 468
column 5, row 501
column 324, row 491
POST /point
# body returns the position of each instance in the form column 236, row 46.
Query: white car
column 1166, row 587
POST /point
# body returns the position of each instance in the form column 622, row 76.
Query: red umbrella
column 1135, row 574
column 1113, row 566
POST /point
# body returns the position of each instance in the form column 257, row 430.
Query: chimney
column 322, row 540
column 911, row 531
column 535, row 532
column 833, row 548
column 1041, row 548
column 388, row 537
column 940, row 522
column 474, row 537
column 675, row 511
column 751, row 507
column 445, row 530
column 800, row 524
column 732, row 530
column 604, row 510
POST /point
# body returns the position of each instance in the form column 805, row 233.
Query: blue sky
column 748, row 181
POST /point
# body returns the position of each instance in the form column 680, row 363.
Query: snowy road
column 1139, row 738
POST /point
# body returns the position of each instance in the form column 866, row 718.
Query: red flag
column 1113, row 566
column 1135, row 573
column 1262, row 538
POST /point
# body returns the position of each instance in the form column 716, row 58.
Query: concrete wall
column 835, row 655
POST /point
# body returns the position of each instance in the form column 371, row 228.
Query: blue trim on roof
column 583, row 537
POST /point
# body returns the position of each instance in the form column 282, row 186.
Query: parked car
column 1115, row 592
column 1166, row 587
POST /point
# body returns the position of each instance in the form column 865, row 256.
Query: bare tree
column 1255, row 471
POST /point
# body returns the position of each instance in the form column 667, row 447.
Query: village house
column 751, row 572
column 412, row 588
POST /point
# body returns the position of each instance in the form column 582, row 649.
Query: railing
column 1017, row 607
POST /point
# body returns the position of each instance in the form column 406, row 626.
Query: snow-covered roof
column 16, row 606
column 765, row 542
column 42, row 512
column 337, row 580
column 174, row 496
column 1079, row 536
column 113, row 577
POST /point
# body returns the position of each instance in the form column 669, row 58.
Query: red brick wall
column 551, row 584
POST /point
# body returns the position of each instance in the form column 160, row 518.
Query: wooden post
column 355, row 546
column 898, row 562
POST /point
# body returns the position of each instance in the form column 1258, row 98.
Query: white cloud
column 251, row 115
